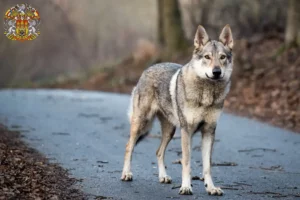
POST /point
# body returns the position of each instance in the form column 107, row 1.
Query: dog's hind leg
column 167, row 131
column 138, row 128
column 208, row 136
column 141, row 122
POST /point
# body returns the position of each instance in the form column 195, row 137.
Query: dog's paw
column 166, row 179
column 126, row 176
column 216, row 191
column 185, row 191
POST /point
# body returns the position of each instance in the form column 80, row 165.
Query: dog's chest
column 204, row 106
column 193, row 115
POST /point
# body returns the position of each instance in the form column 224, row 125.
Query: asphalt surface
column 86, row 132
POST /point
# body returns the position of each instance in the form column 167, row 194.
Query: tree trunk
column 172, row 31
column 160, row 24
column 292, row 33
column 205, row 11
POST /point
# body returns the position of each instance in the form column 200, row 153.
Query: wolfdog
column 189, row 96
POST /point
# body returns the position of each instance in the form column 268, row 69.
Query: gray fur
column 154, row 86
column 188, row 96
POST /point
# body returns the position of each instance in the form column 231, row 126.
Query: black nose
column 217, row 72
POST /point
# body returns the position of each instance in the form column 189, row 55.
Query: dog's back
column 153, row 87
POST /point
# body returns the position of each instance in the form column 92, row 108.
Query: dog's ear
column 226, row 37
column 201, row 37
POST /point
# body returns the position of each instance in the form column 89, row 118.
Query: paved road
column 87, row 131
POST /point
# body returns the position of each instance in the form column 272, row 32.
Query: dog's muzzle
column 217, row 72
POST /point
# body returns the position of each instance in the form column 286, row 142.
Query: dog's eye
column 207, row 57
column 222, row 57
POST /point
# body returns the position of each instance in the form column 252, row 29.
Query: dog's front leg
column 186, row 163
column 208, row 137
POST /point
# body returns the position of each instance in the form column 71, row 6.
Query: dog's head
column 213, row 59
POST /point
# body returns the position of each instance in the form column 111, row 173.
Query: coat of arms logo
column 21, row 23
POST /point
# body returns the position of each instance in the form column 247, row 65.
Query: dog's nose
column 217, row 72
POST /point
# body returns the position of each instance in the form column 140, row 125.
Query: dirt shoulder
column 26, row 174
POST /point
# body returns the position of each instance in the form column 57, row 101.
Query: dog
column 189, row 96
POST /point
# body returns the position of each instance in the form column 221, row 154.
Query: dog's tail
column 130, row 108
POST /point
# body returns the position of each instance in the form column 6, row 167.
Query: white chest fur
column 194, row 115
column 174, row 118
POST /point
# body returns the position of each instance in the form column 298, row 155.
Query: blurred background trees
column 170, row 29
column 79, row 35
column 75, row 37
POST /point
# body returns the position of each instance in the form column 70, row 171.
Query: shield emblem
column 21, row 23
column 22, row 29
